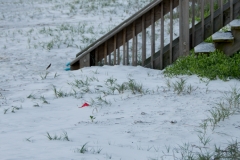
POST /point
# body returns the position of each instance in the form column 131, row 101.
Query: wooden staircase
column 228, row 42
column 114, row 44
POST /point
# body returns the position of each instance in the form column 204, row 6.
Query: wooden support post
column 85, row 61
column 127, row 53
column 202, row 19
column 96, row 56
column 153, row 36
column 193, row 23
column 105, row 53
column 124, row 46
column 171, row 32
column 143, row 40
column 184, row 27
column 109, row 59
column 115, row 49
column 231, row 10
column 162, row 38
column 133, row 44
column 212, row 15
column 221, row 7
column 118, row 55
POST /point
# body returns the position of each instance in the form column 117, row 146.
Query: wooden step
column 222, row 37
column 204, row 47
column 226, row 42
column 235, row 24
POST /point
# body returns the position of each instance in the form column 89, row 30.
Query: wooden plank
column 221, row 8
column 105, row 53
column 136, row 51
column 85, row 61
column 162, row 38
column 184, row 27
column 127, row 53
column 96, row 57
column 124, row 46
column 212, row 14
column 193, row 22
column 133, row 44
column 202, row 19
column 115, row 50
column 143, row 40
column 118, row 54
column 152, row 37
column 109, row 59
column 231, row 10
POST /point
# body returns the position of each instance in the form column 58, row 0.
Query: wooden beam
column 162, row 38
column 124, row 46
column 171, row 32
column 212, row 15
column 96, row 57
column 231, row 10
column 105, row 53
column 184, row 27
column 143, row 40
column 202, row 19
column 115, row 49
column 193, row 22
column 133, row 44
column 221, row 8
column 152, row 36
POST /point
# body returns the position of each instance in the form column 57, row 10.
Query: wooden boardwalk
column 114, row 46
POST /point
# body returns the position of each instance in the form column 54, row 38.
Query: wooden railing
column 206, row 17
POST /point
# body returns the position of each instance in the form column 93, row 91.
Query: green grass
column 216, row 65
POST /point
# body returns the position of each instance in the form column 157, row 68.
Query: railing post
column 184, row 27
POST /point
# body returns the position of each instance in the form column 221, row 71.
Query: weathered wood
column 171, row 32
column 114, row 50
column 152, row 36
column 193, row 22
column 127, row 53
column 96, row 56
column 124, row 46
column 127, row 25
column 212, row 14
column 231, row 10
column 85, row 61
column 198, row 33
column 162, row 38
column 202, row 19
column 105, row 53
column 221, row 17
column 143, row 40
column 184, row 27
column 118, row 54
column 122, row 34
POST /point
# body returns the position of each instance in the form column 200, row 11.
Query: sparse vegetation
column 216, row 65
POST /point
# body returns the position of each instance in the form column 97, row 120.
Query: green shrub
column 216, row 65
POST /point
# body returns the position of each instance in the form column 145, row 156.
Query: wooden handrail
column 140, row 21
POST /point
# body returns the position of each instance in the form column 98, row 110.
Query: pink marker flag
column 84, row 105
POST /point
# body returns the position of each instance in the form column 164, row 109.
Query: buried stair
column 228, row 42
column 109, row 45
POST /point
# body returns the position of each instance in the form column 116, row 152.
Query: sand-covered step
column 204, row 48
column 222, row 37
column 235, row 24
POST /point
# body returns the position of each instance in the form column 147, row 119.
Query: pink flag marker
column 84, row 105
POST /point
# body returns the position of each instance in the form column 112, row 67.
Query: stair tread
column 222, row 36
column 235, row 23
column 204, row 48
